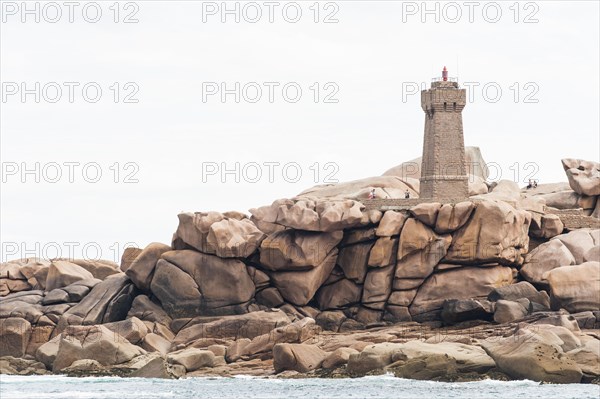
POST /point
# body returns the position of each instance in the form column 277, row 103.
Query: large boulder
column 584, row 176
column 451, row 217
column 458, row 310
column 578, row 242
column 545, row 257
column 192, row 358
column 372, row 357
column 575, row 288
column 496, row 232
column 426, row 212
column 145, row 309
column 508, row 311
column 299, row 287
column 338, row 295
column 190, row 283
column 216, row 233
column 520, row 290
column 298, row 357
column 384, row 252
column 378, row 286
column 108, row 301
column 99, row 268
column 141, row 269
column 297, row 250
column 14, row 336
column 533, row 354
column 93, row 342
column 461, row 283
column 391, row 223
column 469, row 358
column 420, row 250
column 62, row 273
column 354, row 259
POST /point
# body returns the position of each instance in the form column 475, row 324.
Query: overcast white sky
column 375, row 52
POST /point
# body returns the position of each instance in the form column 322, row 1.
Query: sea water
column 61, row 387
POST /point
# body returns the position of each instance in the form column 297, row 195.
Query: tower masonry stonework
column 443, row 169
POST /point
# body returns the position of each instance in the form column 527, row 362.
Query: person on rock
column 372, row 194
column 529, row 185
column 406, row 194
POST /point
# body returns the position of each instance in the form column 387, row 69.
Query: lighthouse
column 443, row 168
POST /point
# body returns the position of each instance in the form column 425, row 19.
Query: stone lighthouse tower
column 443, row 169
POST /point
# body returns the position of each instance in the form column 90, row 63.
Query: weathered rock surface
column 62, row 273
column 575, row 288
column 391, row 224
column 297, row 250
column 462, row 283
column 311, row 214
column 542, row 259
column 507, row 311
column 584, row 176
column 15, row 333
column 298, row 357
column 218, row 234
column 141, row 269
column 533, row 354
column 451, row 217
column 496, row 232
column 108, row 301
column 420, row 249
column 338, row 295
column 385, row 187
column 248, row 325
column 190, row 283
column 93, row 342
column 300, row 287
column 192, row 358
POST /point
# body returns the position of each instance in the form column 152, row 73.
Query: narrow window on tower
column 444, row 107
column 454, row 107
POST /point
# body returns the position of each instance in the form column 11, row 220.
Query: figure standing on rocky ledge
column 406, row 194
column 372, row 194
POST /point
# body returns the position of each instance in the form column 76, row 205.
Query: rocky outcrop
column 237, row 295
